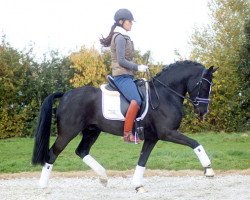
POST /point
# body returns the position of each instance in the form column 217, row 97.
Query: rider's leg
column 128, row 88
column 129, row 122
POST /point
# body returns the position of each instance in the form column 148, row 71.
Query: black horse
column 80, row 110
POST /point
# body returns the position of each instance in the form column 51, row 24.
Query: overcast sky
column 161, row 25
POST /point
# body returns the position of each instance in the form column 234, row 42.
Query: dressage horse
column 80, row 110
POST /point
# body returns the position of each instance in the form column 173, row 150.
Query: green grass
column 227, row 151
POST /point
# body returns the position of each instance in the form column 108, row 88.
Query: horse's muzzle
column 201, row 111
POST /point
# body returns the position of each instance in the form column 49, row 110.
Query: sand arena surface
column 160, row 184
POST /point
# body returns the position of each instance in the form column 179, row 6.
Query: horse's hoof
column 140, row 189
column 104, row 181
column 209, row 172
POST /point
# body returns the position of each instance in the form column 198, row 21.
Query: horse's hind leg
column 89, row 137
column 177, row 137
column 59, row 145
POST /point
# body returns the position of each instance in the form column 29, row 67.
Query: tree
column 220, row 44
column 244, row 74
column 24, row 84
column 14, row 73
column 89, row 67
column 53, row 74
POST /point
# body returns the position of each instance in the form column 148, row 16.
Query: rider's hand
column 142, row 68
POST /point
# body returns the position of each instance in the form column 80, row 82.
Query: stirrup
column 140, row 132
column 139, row 129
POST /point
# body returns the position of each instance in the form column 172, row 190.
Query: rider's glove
column 142, row 68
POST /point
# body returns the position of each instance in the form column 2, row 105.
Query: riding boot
column 129, row 122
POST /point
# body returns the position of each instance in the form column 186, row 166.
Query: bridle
column 196, row 101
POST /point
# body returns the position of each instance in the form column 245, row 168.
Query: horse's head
column 200, row 91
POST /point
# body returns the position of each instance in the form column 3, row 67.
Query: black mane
column 178, row 63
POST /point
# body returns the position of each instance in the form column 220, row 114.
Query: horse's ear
column 212, row 69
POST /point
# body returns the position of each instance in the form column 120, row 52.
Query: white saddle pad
column 111, row 104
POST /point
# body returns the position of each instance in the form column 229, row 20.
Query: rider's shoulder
column 119, row 36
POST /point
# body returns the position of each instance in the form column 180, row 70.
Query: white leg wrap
column 44, row 179
column 200, row 152
column 93, row 164
column 138, row 176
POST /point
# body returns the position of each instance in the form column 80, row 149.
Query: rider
column 123, row 68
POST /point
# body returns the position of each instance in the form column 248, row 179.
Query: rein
column 196, row 100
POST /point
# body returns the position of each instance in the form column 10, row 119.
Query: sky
column 161, row 26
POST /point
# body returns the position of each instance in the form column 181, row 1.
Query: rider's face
column 127, row 25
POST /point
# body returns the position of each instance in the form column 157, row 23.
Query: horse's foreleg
column 88, row 139
column 177, row 137
column 204, row 160
column 99, row 169
column 147, row 147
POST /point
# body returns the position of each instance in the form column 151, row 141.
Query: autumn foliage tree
column 220, row 44
column 89, row 67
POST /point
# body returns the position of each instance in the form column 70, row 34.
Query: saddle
column 115, row 105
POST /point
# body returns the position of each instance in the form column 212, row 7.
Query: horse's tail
column 42, row 135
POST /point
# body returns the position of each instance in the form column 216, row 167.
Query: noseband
column 196, row 101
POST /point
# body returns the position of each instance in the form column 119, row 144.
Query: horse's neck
column 181, row 77
column 178, row 79
column 177, row 82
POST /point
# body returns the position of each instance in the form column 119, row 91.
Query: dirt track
column 160, row 185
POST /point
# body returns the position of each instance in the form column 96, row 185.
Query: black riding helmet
column 123, row 14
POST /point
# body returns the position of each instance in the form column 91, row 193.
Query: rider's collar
column 121, row 30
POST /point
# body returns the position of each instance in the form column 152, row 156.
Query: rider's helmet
column 123, row 14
